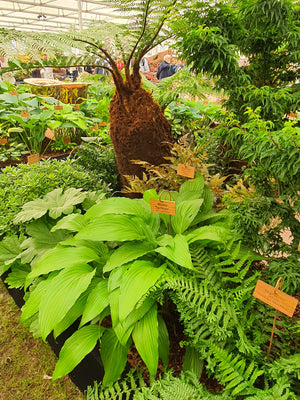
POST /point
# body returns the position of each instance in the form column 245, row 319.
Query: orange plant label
column 163, row 206
column 14, row 93
column 102, row 123
column 3, row 140
column 185, row 170
column 299, row 246
column 58, row 107
column 32, row 159
column 275, row 298
column 49, row 134
column 66, row 140
column 77, row 107
column 25, row 114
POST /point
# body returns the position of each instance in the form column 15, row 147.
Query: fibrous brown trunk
column 138, row 129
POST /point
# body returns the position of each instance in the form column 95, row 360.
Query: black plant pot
column 89, row 370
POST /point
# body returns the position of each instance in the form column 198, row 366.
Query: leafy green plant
column 95, row 156
column 24, row 183
column 12, row 151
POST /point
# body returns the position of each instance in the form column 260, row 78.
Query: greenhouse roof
column 54, row 15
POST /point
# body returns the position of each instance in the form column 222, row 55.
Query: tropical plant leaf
column 186, row 211
column 136, row 281
column 191, row 189
column 145, row 337
column 75, row 349
column 126, row 253
column 61, row 295
column 96, row 302
column 61, row 257
column 113, row 355
column 177, row 251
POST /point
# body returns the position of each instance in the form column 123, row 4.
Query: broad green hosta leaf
column 117, row 205
column 145, row 337
column 71, row 222
column 61, row 295
column 96, row 302
column 150, row 194
column 186, row 211
column 113, row 355
column 75, row 349
column 211, row 233
column 112, row 227
column 124, row 329
column 9, row 251
column 73, row 314
column 177, row 251
column 136, row 281
column 163, row 342
column 191, row 189
column 61, row 257
column 33, row 301
column 126, row 253
column 56, row 202
column 210, row 217
column 41, row 240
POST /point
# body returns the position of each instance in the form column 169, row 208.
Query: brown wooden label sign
column 102, row 123
column 25, row 114
column 33, row 158
column 185, row 170
column 3, row 140
column 58, row 107
column 49, row 133
column 275, row 298
column 163, row 206
column 66, row 140
column 14, row 93
column 299, row 246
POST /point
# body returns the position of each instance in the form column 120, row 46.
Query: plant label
column 58, row 107
column 14, row 93
column 25, row 114
column 77, row 107
column 102, row 123
column 275, row 298
column 185, row 170
column 49, row 134
column 163, row 206
column 299, row 246
column 3, row 140
column 66, row 140
column 32, row 159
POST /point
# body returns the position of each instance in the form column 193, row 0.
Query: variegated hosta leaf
column 145, row 337
column 136, row 281
column 56, row 202
column 75, row 349
column 177, row 251
column 62, row 294
column 61, row 257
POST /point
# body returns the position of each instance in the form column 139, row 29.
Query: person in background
column 164, row 68
column 144, row 66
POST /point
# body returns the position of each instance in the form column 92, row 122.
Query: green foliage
column 212, row 38
column 12, row 151
column 24, row 183
column 101, row 159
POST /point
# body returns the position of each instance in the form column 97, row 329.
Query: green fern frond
column 233, row 371
column 120, row 390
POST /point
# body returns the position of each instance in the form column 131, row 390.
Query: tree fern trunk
column 138, row 128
